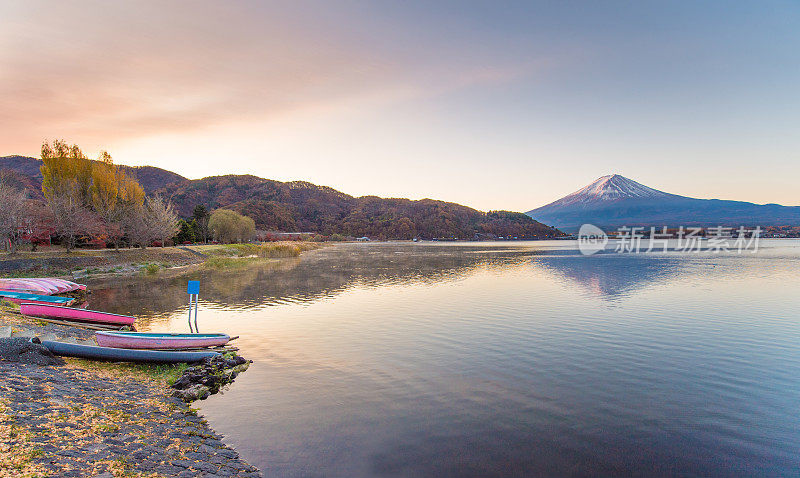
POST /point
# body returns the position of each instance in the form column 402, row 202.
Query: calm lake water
column 481, row 359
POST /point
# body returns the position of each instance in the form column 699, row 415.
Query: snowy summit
column 612, row 187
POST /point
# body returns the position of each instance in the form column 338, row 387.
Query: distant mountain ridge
column 613, row 201
column 303, row 206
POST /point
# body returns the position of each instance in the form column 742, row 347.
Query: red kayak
column 163, row 341
column 69, row 313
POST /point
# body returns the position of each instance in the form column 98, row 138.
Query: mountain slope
column 614, row 201
column 150, row 177
column 303, row 206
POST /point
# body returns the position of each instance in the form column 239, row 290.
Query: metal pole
column 190, row 314
column 196, row 329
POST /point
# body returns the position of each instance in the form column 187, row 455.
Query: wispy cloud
column 108, row 71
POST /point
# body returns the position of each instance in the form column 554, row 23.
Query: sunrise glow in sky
column 496, row 105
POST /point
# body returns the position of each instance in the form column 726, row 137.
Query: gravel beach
column 71, row 420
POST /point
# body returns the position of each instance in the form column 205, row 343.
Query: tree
column 186, row 232
column 65, row 170
column 139, row 227
column 229, row 226
column 12, row 214
column 163, row 218
column 38, row 223
column 247, row 229
column 86, row 197
column 72, row 219
column 201, row 217
column 112, row 194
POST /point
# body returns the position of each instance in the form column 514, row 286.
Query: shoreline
column 90, row 418
column 82, row 264
column 86, row 419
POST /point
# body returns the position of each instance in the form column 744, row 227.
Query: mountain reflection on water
column 498, row 359
column 318, row 274
column 327, row 272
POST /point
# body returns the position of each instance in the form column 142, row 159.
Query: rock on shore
column 27, row 351
column 200, row 381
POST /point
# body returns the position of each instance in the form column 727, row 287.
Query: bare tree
column 72, row 219
column 163, row 217
column 138, row 225
column 153, row 220
column 12, row 214
column 39, row 225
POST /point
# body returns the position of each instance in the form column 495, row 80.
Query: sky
column 495, row 105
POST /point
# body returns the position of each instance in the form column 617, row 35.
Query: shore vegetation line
column 51, row 261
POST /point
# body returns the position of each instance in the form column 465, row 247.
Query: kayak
column 124, row 355
column 61, row 284
column 20, row 297
column 69, row 313
column 147, row 340
column 22, row 285
column 40, row 285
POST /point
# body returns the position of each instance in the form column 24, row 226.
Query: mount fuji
column 613, row 201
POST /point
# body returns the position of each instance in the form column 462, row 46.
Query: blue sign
column 193, row 287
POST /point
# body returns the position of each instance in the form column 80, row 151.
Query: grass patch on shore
column 163, row 373
column 265, row 250
column 236, row 255
column 42, row 272
column 9, row 306
column 151, row 268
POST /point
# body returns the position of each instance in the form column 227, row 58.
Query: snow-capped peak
column 611, row 188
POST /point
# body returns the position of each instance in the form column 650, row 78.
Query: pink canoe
column 163, row 341
column 69, row 313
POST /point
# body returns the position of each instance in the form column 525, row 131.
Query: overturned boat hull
column 93, row 352
column 40, row 285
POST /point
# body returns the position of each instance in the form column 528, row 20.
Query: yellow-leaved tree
column 87, row 198
column 66, row 178
column 114, row 196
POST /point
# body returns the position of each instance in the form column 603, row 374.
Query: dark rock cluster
column 207, row 378
column 29, row 351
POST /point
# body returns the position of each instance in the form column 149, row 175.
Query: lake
column 498, row 359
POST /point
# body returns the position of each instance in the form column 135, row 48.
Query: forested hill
column 149, row 177
column 302, row 206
